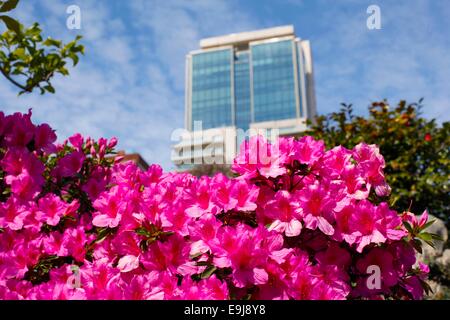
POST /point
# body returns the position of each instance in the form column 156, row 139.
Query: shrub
column 299, row 222
column 416, row 151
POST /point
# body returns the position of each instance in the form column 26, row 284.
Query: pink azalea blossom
column 385, row 262
column 44, row 138
column 70, row 164
column 12, row 214
column 297, row 223
column 245, row 196
column 367, row 225
column 242, row 249
column 110, row 209
column 286, row 214
column 258, row 157
column 317, row 205
column 52, row 209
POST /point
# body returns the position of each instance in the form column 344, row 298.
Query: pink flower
column 207, row 289
column 366, row 224
column 19, row 130
column 12, row 214
column 337, row 160
column 343, row 231
column 317, row 205
column 110, row 209
column 143, row 287
column 128, row 263
column 241, row 248
column 245, row 195
column 356, row 185
column 372, row 164
column 93, row 187
column 70, row 164
column 414, row 284
column 54, row 244
column 171, row 255
column 404, row 254
column 286, row 214
column 202, row 199
column 412, row 219
column 77, row 141
column 203, row 232
column 175, row 219
column 297, row 224
column 24, row 172
column 392, row 226
column 334, row 255
column 52, row 209
column 44, row 137
column 112, row 142
column 75, row 240
column 385, row 262
column 303, row 285
column 258, row 157
column 221, row 191
column 308, row 150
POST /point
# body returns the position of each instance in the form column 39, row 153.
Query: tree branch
column 14, row 81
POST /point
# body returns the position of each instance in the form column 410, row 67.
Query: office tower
column 251, row 80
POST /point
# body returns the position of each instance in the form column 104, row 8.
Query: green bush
column 416, row 151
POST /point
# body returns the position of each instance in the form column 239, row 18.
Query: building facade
column 252, row 80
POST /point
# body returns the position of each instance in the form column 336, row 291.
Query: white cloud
column 130, row 83
column 177, row 26
column 406, row 59
column 121, row 89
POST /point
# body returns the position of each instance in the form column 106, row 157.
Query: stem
column 14, row 81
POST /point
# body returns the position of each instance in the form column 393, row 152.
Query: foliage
column 299, row 222
column 27, row 59
column 416, row 151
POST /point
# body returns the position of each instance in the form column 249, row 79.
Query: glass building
column 257, row 79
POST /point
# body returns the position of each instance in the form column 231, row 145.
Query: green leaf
column 20, row 53
column 436, row 237
column 408, row 226
column 208, row 272
column 103, row 233
column 417, row 245
column 425, row 236
column 75, row 60
column 9, row 5
column 430, row 243
column 193, row 256
column 142, row 232
column 11, row 24
column 426, row 287
column 50, row 88
column 429, row 223
column 52, row 42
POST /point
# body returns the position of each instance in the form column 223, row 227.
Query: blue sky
column 130, row 83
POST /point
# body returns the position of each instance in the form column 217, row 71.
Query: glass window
column 273, row 81
column 242, row 90
column 211, row 80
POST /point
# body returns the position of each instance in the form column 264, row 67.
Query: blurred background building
column 260, row 79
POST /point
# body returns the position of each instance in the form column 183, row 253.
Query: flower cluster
column 298, row 222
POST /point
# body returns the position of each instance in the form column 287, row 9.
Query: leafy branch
column 27, row 60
